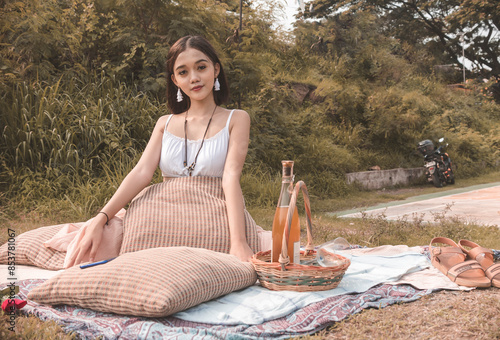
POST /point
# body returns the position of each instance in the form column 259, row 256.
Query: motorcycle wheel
column 436, row 179
column 451, row 178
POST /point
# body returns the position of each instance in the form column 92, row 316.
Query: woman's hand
column 90, row 241
column 140, row 177
column 241, row 250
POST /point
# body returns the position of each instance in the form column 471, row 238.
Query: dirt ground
column 442, row 315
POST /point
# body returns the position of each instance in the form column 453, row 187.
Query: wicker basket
column 298, row 277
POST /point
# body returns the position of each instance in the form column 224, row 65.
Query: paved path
column 477, row 204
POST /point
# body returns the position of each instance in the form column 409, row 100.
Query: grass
column 29, row 328
column 464, row 314
column 442, row 315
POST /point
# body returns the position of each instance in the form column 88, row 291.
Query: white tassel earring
column 217, row 85
column 180, row 98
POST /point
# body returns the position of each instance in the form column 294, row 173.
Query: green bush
column 56, row 136
column 82, row 84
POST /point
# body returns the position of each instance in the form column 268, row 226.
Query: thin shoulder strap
column 229, row 118
column 168, row 120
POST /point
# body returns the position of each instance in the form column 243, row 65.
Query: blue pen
column 83, row 266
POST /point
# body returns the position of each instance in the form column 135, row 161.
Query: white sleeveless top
column 211, row 159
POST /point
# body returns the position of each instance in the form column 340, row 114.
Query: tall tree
column 436, row 24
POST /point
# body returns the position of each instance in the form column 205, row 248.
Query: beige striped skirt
column 184, row 211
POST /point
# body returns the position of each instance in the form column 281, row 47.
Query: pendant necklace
column 191, row 167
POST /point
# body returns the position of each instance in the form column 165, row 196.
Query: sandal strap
column 444, row 240
column 436, row 251
column 473, row 253
column 459, row 268
column 475, row 250
column 492, row 271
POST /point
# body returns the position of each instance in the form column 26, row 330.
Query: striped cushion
column 184, row 211
column 29, row 249
column 152, row 282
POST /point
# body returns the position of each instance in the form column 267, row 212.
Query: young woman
column 200, row 138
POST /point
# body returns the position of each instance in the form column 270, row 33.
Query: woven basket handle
column 300, row 186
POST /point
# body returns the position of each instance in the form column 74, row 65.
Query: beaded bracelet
column 107, row 217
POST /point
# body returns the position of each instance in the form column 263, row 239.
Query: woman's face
column 195, row 74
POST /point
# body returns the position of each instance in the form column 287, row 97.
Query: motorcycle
column 437, row 164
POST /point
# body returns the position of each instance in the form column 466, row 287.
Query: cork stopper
column 287, row 168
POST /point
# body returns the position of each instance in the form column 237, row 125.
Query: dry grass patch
column 443, row 315
column 24, row 223
column 29, row 328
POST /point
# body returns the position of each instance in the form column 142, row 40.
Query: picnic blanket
column 256, row 312
column 255, row 305
column 89, row 324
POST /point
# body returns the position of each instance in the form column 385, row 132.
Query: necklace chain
column 191, row 167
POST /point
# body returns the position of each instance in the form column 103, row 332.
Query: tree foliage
column 436, row 25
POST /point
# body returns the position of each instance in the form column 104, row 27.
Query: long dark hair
column 202, row 45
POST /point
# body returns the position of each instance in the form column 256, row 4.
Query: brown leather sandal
column 484, row 257
column 451, row 262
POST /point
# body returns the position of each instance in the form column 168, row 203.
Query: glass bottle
column 325, row 255
column 280, row 219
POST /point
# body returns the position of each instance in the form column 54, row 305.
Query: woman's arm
column 238, row 146
column 140, row 176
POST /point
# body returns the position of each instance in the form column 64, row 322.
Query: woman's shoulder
column 162, row 121
column 237, row 111
column 238, row 115
column 239, row 118
column 164, row 118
